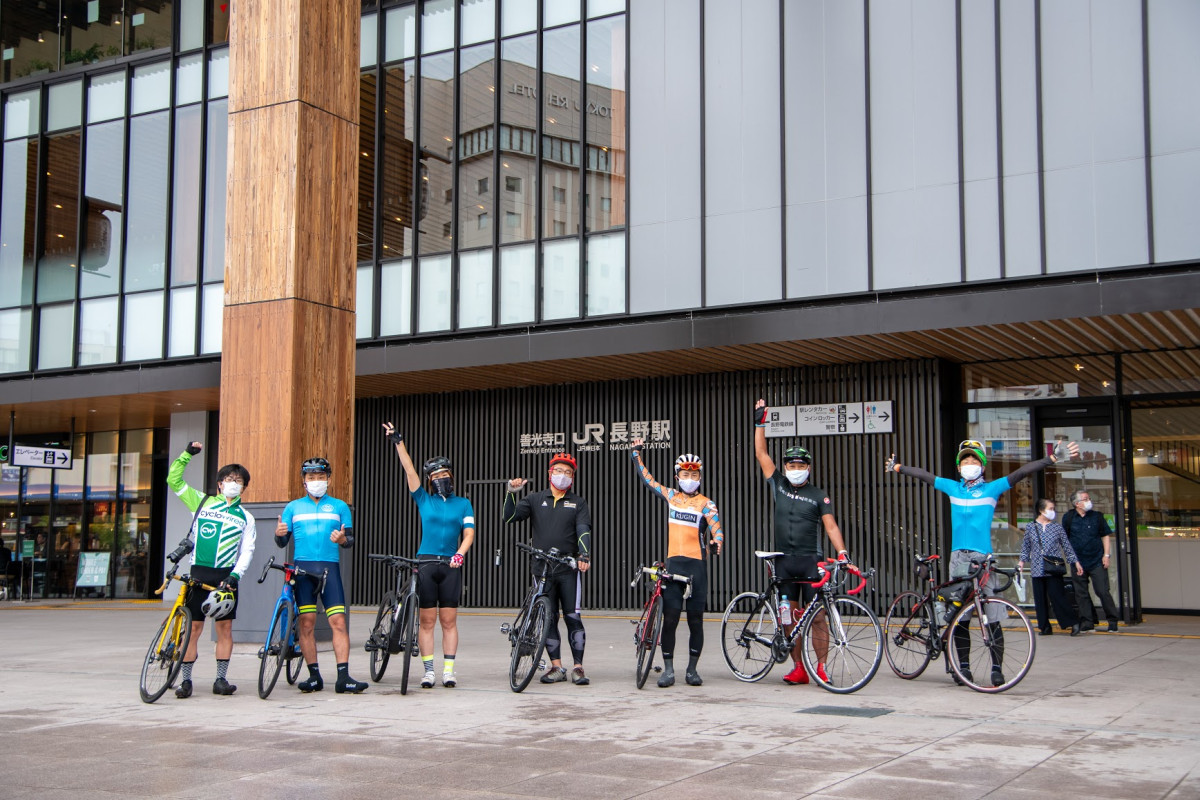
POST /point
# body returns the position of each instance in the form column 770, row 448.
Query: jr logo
column 592, row 432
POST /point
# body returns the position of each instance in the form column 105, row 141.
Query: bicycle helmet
column 436, row 464
column 563, row 458
column 689, row 461
column 797, row 454
column 315, row 465
column 970, row 447
column 219, row 604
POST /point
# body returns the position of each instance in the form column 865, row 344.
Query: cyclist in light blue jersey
column 321, row 526
column 972, row 507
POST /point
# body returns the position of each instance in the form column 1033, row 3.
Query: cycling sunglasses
column 970, row 444
column 690, row 465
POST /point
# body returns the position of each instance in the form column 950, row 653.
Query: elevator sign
column 831, row 419
column 46, row 457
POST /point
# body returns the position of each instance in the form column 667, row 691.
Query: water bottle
column 939, row 608
column 785, row 610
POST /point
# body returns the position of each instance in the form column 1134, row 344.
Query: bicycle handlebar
column 658, row 572
column 266, row 569
column 394, row 561
column 296, row 571
column 566, row 561
column 849, row 567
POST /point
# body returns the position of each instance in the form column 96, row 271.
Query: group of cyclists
column 559, row 518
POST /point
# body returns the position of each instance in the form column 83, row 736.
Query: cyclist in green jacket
column 221, row 553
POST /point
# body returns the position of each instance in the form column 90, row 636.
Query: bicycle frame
column 831, row 575
column 180, row 599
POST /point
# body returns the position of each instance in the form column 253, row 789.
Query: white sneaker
column 428, row 680
column 448, row 680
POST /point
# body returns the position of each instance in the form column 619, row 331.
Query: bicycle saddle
column 767, row 556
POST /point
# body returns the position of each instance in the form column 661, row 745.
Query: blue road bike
column 282, row 645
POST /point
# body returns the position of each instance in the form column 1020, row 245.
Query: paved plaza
column 1099, row 716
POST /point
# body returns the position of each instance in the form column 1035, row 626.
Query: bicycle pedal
column 505, row 628
column 260, row 652
column 542, row 664
column 658, row 669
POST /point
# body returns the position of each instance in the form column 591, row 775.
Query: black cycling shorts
column 799, row 572
column 213, row 577
column 438, row 585
column 672, row 591
column 333, row 598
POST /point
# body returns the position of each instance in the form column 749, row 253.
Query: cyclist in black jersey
column 802, row 512
column 561, row 520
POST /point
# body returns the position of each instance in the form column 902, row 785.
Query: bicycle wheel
column 295, row 659
column 380, row 639
column 408, row 639
column 1006, row 646
column 527, row 649
column 164, row 657
column 906, row 635
column 649, row 628
column 852, row 643
column 274, row 653
column 748, row 633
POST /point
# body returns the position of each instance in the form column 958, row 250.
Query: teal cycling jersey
column 312, row 522
column 443, row 520
column 972, row 507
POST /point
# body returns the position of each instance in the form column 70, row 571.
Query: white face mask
column 317, row 488
column 970, row 471
column 561, row 482
column 1048, row 513
column 1087, row 505
column 688, row 485
column 231, row 489
column 797, row 477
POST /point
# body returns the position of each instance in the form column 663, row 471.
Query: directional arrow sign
column 45, row 457
column 877, row 416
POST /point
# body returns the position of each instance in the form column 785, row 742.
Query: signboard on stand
column 832, row 419
column 93, row 570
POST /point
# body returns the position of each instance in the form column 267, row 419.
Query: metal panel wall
column 885, row 519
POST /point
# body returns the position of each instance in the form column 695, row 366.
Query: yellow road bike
column 164, row 658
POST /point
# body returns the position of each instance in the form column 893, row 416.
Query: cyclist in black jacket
column 562, row 520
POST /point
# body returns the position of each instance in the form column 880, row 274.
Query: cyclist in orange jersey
column 689, row 517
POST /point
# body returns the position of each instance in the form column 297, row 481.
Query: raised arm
column 1071, row 450
column 893, row 465
column 765, row 463
column 635, row 452
column 410, row 469
column 515, row 510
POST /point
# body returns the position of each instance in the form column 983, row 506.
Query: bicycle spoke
column 907, row 635
column 748, row 632
column 995, row 653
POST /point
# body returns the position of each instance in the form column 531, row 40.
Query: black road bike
column 395, row 628
column 529, row 630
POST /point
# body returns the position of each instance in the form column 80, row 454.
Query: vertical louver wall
column 885, row 520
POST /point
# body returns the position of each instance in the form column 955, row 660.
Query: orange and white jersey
column 689, row 517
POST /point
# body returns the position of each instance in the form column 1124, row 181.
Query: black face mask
column 443, row 486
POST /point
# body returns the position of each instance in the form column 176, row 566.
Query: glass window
column 103, row 209
column 366, row 166
column 1007, row 434
column 560, row 126
column 517, row 16
column 65, row 106
column 437, row 26
column 22, row 114
column 17, row 216
column 558, row 12
column 606, row 122
column 143, row 326
column 218, row 74
column 477, row 76
column 146, row 236
column 98, row 331
column 214, row 191
column 189, row 80
column 481, row 186
column 481, row 221
column 14, row 340
column 88, row 31
column 518, row 110
column 106, row 97
column 182, row 340
column 478, row 23
column 217, row 18
column 606, row 274
column 1036, row 379
column 433, row 312
column 560, row 279
column 437, row 149
column 400, row 33
column 475, row 289
column 368, row 40
column 191, row 24
column 395, row 298
column 364, row 305
column 1162, row 371
column 399, row 120
column 185, row 208
column 213, row 301
column 598, row 8
column 30, row 40
column 518, row 284
column 60, row 209
column 151, row 87
column 56, row 336
column 149, row 24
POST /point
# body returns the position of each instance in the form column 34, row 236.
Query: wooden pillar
column 287, row 356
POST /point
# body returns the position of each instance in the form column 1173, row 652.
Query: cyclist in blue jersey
column 447, row 531
column 321, row 526
column 972, row 507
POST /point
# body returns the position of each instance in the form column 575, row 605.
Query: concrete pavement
column 1100, row 715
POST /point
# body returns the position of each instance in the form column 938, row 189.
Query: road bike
column 920, row 628
column 282, row 646
column 395, row 628
column 164, row 657
column 842, row 655
column 529, row 630
column 649, row 628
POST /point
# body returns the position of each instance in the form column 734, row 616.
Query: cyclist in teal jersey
column 223, row 547
column 322, row 526
column 972, row 507
column 447, row 531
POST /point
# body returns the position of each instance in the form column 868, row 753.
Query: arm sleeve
column 583, row 528
column 515, row 510
column 190, row 497
column 716, row 529
column 286, row 519
column 918, row 473
column 247, row 550
column 349, row 539
column 1028, row 469
column 647, row 478
column 348, row 525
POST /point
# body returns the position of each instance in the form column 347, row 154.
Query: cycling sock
column 668, row 674
column 693, row 660
column 448, row 664
column 314, row 671
column 343, row 669
column 222, row 667
column 427, row 662
column 187, row 670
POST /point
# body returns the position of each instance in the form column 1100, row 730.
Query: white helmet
column 219, row 604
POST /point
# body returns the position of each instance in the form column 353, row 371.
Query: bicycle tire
column 854, row 645
column 907, row 632
column 381, row 636
column 408, row 638
column 274, row 653
column 748, row 633
column 527, row 649
column 1017, row 646
column 646, row 639
column 295, row 658
column 164, row 657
